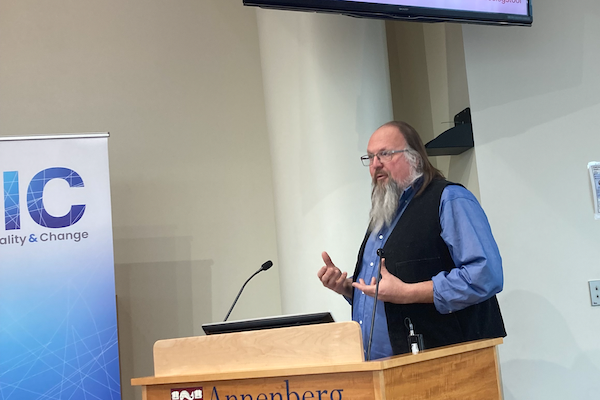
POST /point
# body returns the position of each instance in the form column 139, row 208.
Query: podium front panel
column 355, row 386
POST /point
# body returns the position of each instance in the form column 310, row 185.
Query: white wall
column 178, row 84
column 429, row 86
column 326, row 88
column 535, row 97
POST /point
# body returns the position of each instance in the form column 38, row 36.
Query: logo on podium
column 187, row 394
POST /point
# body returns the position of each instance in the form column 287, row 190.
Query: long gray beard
column 384, row 203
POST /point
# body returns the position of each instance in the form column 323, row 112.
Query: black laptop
column 281, row 321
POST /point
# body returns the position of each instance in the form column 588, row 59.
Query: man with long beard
column 440, row 269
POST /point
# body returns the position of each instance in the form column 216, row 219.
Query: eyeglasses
column 382, row 156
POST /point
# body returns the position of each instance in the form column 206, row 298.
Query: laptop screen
column 282, row 321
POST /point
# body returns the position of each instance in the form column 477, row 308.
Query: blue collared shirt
column 477, row 276
column 362, row 310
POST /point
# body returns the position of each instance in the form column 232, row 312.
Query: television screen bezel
column 395, row 12
column 280, row 321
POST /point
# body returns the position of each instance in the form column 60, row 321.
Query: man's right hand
column 332, row 278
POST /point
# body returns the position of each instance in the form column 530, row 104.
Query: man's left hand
column 394, row 290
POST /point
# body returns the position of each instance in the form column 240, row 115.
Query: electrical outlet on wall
column 595, row 292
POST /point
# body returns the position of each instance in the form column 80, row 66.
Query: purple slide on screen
column 518, row 7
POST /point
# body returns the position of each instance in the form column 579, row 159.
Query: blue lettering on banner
column 35, row 199
column 12, row 211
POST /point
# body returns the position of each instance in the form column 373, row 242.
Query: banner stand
column 58, row 323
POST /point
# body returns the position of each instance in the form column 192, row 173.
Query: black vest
column 415, row 252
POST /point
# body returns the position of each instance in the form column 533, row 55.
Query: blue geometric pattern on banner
column 53, row 345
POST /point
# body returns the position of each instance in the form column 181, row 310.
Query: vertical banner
column 594, row 168
column 58, row 323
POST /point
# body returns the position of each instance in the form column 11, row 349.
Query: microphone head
column 380, row 252
column 266, row 265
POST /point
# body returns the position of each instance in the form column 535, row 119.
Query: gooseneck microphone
column 380, row 254
column 263, row 267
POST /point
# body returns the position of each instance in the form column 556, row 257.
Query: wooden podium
column 321, row 362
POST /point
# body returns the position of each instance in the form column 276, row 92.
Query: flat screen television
column 490, row 12
column 281, row 321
